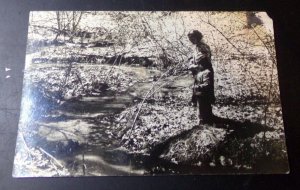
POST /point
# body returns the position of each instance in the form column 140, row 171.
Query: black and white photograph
column 143, row 93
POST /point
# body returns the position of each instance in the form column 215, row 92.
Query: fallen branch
column 26, row 146
column 146, row 96
column 52, row 157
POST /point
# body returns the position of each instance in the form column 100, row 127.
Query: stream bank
column 94, row 135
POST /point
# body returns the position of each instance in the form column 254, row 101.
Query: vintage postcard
column 110, row 93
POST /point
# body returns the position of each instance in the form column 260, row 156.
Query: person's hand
column 192, row 67
column 198, row 93
column 197, row 88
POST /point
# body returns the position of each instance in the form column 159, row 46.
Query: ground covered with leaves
column 112, row 96
column 160, row 125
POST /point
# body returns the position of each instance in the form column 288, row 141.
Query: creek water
column 98, row 153
column 80, row 133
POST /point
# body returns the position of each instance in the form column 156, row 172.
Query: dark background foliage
column 13, row 32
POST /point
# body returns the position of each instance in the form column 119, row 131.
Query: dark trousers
column 205, row 110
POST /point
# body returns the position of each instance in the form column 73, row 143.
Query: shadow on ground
column 227, row 146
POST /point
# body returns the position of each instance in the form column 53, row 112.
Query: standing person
column 203, row 73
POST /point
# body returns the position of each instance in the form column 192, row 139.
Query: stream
column 81, row 135
column 78, row 137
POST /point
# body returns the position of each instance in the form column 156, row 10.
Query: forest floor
column 119, row 130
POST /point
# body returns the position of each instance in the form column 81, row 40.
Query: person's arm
column 203, row 52
column 198, row 56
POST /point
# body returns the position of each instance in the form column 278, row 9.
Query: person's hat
column 195, row 33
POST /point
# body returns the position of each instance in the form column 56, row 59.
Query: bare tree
column 67, row 23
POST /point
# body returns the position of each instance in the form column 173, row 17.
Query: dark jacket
column 202, row 54
column 204, row 80
column 204, row 85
